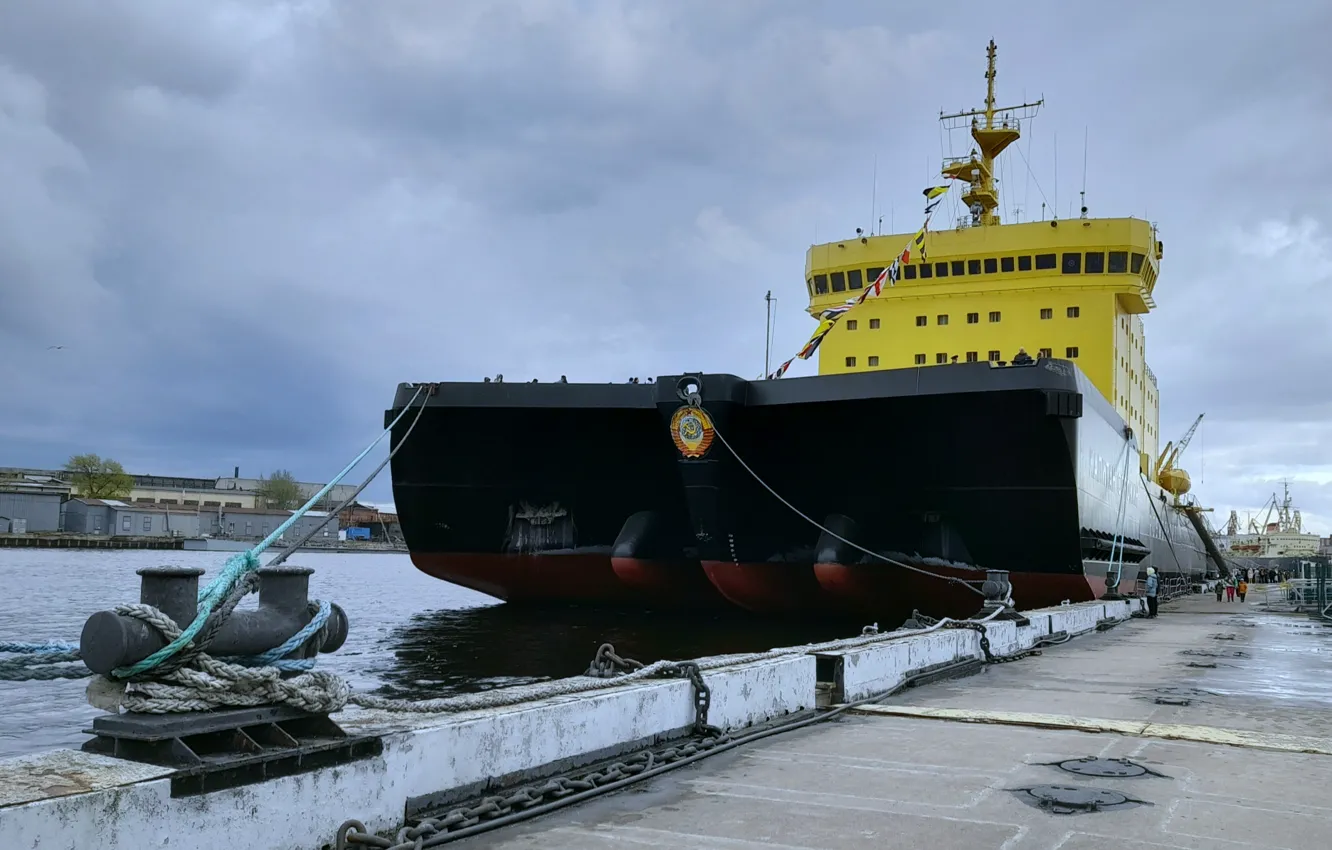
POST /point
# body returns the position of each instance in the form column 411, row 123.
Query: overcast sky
column 246, row 222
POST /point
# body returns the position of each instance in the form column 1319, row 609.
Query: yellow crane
column 1172, row 479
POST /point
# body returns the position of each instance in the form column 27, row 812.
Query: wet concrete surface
column 886, row 781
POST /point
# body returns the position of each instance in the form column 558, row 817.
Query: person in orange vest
column 1243, row 588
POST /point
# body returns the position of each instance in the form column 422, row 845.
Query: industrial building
column 184, row 492
column 123, row 519
column 30, row 503
column 129, row 519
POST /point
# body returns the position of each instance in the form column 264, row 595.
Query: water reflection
column 446, row 652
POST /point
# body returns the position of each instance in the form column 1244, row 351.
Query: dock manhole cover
column 1069, row 799
column 1173, row 701
column 1092, row 766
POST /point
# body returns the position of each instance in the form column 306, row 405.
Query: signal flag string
column 832, row 315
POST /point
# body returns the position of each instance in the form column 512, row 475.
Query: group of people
column 1232, row 585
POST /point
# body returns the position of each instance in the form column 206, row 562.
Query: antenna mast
column 999, row 129
column 767, row 336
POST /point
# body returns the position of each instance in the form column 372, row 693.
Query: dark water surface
column 411, row 636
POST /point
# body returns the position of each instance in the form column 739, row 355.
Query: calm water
column 411, row 636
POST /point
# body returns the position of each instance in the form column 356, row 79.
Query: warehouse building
column 29, row 505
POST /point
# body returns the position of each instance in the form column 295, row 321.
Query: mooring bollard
column 110, row 640
column 998, row 592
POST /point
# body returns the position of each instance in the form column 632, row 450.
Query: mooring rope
column 821, row 527
column 48, row 660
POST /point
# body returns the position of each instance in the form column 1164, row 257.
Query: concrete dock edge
column 71, row 799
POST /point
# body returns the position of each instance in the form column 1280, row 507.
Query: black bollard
column 110, row 640
column 998, row 597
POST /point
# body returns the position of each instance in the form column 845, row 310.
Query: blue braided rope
column 240, row 564
column 275, row 656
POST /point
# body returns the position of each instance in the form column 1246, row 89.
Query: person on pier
column 1152, row 585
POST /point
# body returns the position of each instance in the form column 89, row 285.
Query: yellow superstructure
column 1072, row 289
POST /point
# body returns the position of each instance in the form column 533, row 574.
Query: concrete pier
column 1228, row 756
column 1204, row 729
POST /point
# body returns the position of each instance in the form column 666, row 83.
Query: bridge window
column 1044, row 352
column 942, row 318
column 1136, row 265
column 821, row 284
column 1118, row 262
column 1045, row 261
column 1095, row 262
column 941, row 270
column 1071, row 352
column 922, row 321
column 941, row 357
column 993, row 356
column 973, row 318
column 874, row 360
column 872, row 274
column 1074, row 312
column 927, row 270
column 809, row 284
column 1005, row 264
column 920, row 359
column 1047, row 313
column 853, row 280
column 874, row 324
column 959, row 268
column 971, row 357
column 991, row 265
column 994, row 315
column 851, row 324
column 973, row 266
column 850, row 362
column 1072, row 263
column 909, row 272
column 838, row 282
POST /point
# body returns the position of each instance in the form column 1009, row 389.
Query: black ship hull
column 546, row 493
column 786, row 496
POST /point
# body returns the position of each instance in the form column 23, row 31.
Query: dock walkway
column 1225, row 707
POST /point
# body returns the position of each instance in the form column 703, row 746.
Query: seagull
column 54, row 347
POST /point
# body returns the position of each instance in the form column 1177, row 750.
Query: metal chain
column 990, row 657
column 702, row 695
column 438, row 830
column 607, row 664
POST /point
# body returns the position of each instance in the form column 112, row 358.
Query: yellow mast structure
column 1071, row 290
column 991, row 137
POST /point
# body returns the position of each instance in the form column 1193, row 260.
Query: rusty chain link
column 607, row 664
column 990, row 657
column 438, row 830
column 434, row 831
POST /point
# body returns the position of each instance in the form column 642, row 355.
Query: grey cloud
column 250, row 219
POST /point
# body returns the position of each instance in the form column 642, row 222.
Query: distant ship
column 1278, row 542
column 920, row 455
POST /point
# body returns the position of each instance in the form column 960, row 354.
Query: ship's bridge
column 1072, row 289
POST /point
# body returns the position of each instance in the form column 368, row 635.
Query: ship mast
column 1002, row 125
